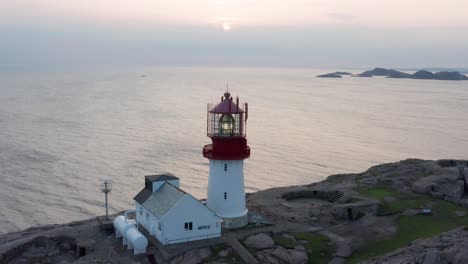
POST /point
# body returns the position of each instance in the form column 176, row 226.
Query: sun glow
column 226, row 27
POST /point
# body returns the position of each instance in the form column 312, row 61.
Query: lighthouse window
column 188, row 226
column 225, row 195
column 225, row 167
column 226, row 125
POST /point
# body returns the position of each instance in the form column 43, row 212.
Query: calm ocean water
column 61, row 133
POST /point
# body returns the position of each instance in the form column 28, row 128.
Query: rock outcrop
column 353, row 211
column 259, row 241
column 193, row 257
column 279, row 254
column 447, row 248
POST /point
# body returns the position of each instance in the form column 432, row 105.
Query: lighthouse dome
column 227, row 106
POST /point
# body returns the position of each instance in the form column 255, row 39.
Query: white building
column 172, row 215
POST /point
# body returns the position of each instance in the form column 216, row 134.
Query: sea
column 62, row 133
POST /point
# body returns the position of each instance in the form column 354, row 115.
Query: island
column 410, row 211
column 390, row 73
column 422, row 74
column 334, row 75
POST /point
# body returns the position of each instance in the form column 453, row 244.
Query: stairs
column 334, row 196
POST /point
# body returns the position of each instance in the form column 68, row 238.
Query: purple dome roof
column 227, row 106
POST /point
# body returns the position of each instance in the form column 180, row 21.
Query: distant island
column 390, row 73
column 335, row 75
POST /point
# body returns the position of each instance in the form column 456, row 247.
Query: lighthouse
column 226, row 126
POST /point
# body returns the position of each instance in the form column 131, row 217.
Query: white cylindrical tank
column 121, row 226
column 136, row 241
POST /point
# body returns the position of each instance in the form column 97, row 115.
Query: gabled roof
column 162, row 200
column 142, row 196
column 161, row 177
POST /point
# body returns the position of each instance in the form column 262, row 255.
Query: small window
column 225, row 196
column 147, row 216
column 141, row 212
column 159, row 226
column 204, row 227
column 188, row 226
column 225, row 167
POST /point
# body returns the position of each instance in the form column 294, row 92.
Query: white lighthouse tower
column 226, row 126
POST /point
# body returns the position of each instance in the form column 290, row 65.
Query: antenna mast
column 106, row 187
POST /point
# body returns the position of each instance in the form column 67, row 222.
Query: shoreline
column 353, row 212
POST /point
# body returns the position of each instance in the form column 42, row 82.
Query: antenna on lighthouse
column 106, row 187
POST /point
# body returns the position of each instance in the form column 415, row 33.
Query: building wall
column 226, row 195
column 189, row 210
column 148, row 221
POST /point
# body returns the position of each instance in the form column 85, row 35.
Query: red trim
column 227, row 149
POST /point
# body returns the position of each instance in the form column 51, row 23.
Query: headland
column 412, row 211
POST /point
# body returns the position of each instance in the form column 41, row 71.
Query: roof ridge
column 166, row 182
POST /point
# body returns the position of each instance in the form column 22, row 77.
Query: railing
column 214, row 127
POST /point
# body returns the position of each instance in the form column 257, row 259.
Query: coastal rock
column 447, row 248
column 298, row 255
column 353, row 211
column 279, row 254
column 225, row 253
column 192, row 257
column 259, row 241
column 440, row 186
column 432, row 257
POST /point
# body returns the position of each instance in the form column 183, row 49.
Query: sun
column 226, row 27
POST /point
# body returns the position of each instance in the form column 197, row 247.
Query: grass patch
column 402, row 201
column 285, row 242
column 319, row 250
column 377, row 193
column 410, row 227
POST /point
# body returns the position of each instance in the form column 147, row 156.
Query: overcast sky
column 56, row 34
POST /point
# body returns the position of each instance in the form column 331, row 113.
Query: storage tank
column 121, row 225
column 136, row 241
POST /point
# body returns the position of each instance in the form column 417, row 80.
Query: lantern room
column 226, row 118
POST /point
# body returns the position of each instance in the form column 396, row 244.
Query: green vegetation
column 378, row 192
column 410, row 227
column 402, row 201
column 318, row 247
column 285, row 242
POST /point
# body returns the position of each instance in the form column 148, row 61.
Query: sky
column 57, row 34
